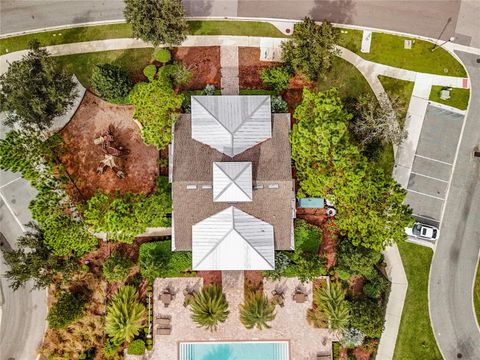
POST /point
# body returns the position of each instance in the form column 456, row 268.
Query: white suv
column 423, row 231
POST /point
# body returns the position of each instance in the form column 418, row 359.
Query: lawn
column 388, row 49
column 458, row 97
column 476, row 295
column 116, row 31
column 415, row 338
column 399, row 92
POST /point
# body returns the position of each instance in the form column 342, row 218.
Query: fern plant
column 125, row 316
column 209, row 307
column 257, row 311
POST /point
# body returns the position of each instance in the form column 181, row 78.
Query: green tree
column 125, row 316
column 34, row 261
column 156, row 106
column 68, row 308
column 357, row 260
column 35, row 90
column 111, row 82
column 209, row 307
column 257, row 311
column 368, row 316
column 331, row 300
column 176, row 74
column 276, row 77
column 311, row 48
column 116, row 267
column 162, row 55
column 157, row 21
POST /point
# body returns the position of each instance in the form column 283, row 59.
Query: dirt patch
column 203, row 62
column 250, row 66
column 253, row 282
column 210, row 277
column 355, row 285
column 329, row 244
column 82, row 156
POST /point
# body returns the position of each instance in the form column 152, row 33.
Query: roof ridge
column 249, row 116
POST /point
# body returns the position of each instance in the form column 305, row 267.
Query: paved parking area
column 432, row 167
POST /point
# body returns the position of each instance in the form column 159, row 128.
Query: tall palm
column 125, row 316
column 257, row 311
column 331, row 300
column 209, row 307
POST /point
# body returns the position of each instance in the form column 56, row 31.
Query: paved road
column 455, row 259
column 427, row 18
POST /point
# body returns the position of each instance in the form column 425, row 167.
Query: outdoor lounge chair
column 164, row 330
column 163, row 320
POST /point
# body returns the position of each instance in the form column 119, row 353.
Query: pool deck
column 290, row 323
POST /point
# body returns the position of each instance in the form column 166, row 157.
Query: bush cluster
column 136, row 347
column 111, row 82
column 162, row 55
column 276, row 77
column 116, row 267
column 68, row 308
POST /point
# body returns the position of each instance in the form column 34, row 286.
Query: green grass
column 116, row 31
column 385, row 159
column 82, row 65
column 415, row 338
column 350, row 39
column 476, row 294
column 399, row 92
column 388, row 49
column 458, row 97
column 257, row 92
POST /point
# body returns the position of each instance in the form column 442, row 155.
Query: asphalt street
column 429, row 18
column 454, row 263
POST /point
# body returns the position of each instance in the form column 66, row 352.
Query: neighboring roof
column 232, row 181
column 232, row 240
column 311, row 203
column 271, row 165
column 231, row 124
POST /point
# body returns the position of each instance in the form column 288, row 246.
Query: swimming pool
column 245, row 350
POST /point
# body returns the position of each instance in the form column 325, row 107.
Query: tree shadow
column 335, row 11
column 198, row 8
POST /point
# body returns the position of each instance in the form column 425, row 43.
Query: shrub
column 158, row 260
column 110, row 82
column 209, row 90
column 162, row 55
column 136, row 347
column 209, row 307
column 110, row 349
column 376, row 286
column 352, row 338
column 276, row 77
column 176, row 74
column 331, row 300
column 257, row 311
column 68, row 308
column 150, row 71
column 117, row 267
column 357, row 260
column 149, row 344
column 278, row 105
column 368, row 317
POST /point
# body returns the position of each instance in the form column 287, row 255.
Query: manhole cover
column 478, row 61
column 459, row 356
column 445, row 70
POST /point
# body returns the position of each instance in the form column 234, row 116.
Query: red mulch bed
column 254, row 281
column 210, row 277
column 313, row 216
column 203, row 62
column 355, row 285
column 82, row 156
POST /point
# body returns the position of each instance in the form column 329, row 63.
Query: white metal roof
column 231, row 124
column 232, row 240
column 232, row 181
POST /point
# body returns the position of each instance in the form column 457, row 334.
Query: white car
column 423, row 231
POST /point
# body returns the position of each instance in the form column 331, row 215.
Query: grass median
column 458, row 97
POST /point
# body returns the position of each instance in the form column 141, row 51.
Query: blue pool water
column 258, row 350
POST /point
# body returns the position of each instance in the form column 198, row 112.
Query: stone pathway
column 229, row 69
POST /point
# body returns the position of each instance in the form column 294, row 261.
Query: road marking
column 440, row 161
column 10, row 182
column 12, row 212
column 430, row 177
column 420, row 193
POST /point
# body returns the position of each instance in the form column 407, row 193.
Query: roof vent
column 273, row 186
column 191, row 187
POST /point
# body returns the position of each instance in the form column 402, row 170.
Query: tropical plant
column 156, row 106
column 162, row 55
column 209, row 90
column 136, row 347
column 331, row 300
column 368, row 316
column 209, row 307
column 257, row 311
column 68, row 308
column 37, row 77
column 317, row 317
column 157, row 22
column 125, row 316
column 352, row 338
column 376, row 286
column 278, row 105
column 111, row 82
column 117, row 267
column 175, row 74
column 276, row 77
column 150, row 71
column 311, row 48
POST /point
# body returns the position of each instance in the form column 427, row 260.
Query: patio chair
column 166, row 298
column 324, row 355
column 164, row 330
column 163, row 320
column 299, row 297
column 278, row 299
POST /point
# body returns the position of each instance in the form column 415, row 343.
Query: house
column 232, row 187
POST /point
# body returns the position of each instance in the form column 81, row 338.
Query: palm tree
column 209, row 307
column 331, row 300
column 125, row 316
column 257, row 311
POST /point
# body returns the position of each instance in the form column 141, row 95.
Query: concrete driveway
column 454, row 263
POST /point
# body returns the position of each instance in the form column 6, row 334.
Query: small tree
column 276, row 77
column 111, row 82
column 117, row 267
column 311, row 49
column 257, row 311
column 35, row 90
column 357, row 260
column 125, row 316
column 67, row 309
column 157, row 21
column 209, row 307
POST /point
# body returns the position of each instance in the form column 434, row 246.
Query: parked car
column 423, row 231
